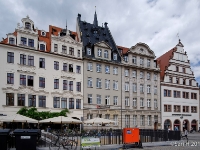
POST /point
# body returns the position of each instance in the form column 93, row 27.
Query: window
column 148, row 62
column 193, row 109
column 105, row 54
column 126, row 86
column 141, row 102
column 141, row 61
column 134, row 74
column 141, row 74
column 42, row 82
column 186, row 95
column 185, row 108
column 114, row 56
column 98, row 84
column 183, row 70
column 115, row 117
column 56, row 102
column 78, row 103
column 177, row 94
column 115, row 85
column 115, row 100
column 155, row 103
column 107, row 69
column 115, row 70
column 89, row 66
column 148, row 102
column 27, row 25
column 42, row 62
column 148, row 76
column 89, row 51
column 56, row 65
column 127, row 103
column 71, row 51
column 155, row 90
column 22, row 59
column 42, row 47
column 99, row 52
column 134, row 60
column 190, row 82
column 70, row 85
column 31, row 42
column 78, row 86
column 78, row 69
column 142, row 120
column 70, row 67
column 107, row 100
column 98, row 67
column 167, row 93
column 183, row 81
column 10, row 99
column 107, row 84
column 89, row 82
column 134, row 120
column 177, row 80
column 89, row 98
column 149, row 120
column 64, row 49
column 177, row 108
column 31, row 60
column 42, row 101
column 141, row 88
column 65, row 84
column 127, row 121
column 193, row 95
column 22, row 79
column 126, row 58
column 134, row 87
column 107, row 116
column 21, row 99
column 55, row 47
column 56, row 83
column 32, row 100
column 126, row 72
column 63, row 103
column 79, row 53
column 10, row 78
column 89, row 116
column 98, row 99
column 10, row 57
column 170, row 79
column 23, row 40
column 30, row 80
column 148, row 88
column 71, row 103
column 134, row 102
column 155, row 77
column 11, row 40
column 64, row 66
column 177, row 68
column 167, row 108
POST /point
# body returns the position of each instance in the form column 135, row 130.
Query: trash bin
column 4, row 137
column 25, row 139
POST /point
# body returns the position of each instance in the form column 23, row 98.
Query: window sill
column 141, row 106
column 90, row 70
column 26, row 65
column 98, row 87
column 10, row 63
column 89, row 87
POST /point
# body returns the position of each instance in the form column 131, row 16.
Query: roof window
column 27, row 25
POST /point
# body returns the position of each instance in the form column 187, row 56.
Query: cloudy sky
column 154, row 22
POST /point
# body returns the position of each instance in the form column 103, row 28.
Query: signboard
column 89, row 142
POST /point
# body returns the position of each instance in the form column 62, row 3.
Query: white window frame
column 98, row 67
column 114, row 56
column 98, row 99
column 127, row 121
column 141, row 74
column 134, row 120
column 105, row 53
column 134, row 102
column 115, row 85
column 107, row 84
column 126, row 72
column 126, row 58
column 89, row 52
column 155, row 90
column 155, row 103
column 148, row 102
column 107, row 69
column 107, row 97
column 89, row 66
column 134, row 87
column 148, row 76
column 115, row 118
column 115, row 70
column 148, row 63
column 141, row 102
column 126, row 86
column 98, row 83
column 149, row 120
column 90, row 96
column 141, row 61
column 134, row 74
column 89, row 81
column 127, row 101
column 148, row 88
column 99, row 53
column 141, row 88
column 155, row 77
column 142, row 120
column 115, row 100
column 134, row 60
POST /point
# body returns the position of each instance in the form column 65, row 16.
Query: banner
column 88, row 142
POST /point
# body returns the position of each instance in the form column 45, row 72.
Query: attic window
column 11, row 40
column 104, row 34
column 43, row 34
column 141, row 50
column 95, row 32
column 27, row 25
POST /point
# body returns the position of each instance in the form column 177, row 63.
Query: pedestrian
column 185, row 134
column 48, row 129
column 175, row 128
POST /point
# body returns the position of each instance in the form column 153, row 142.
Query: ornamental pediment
column 102, row 44
column 142, row 49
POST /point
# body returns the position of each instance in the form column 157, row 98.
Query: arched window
column 27, row 25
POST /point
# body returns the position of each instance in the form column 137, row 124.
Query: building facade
column 179, row 90
column 41, row 69
column 140, row 88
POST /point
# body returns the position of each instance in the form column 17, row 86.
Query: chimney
column 79, row 16
column 105, row 24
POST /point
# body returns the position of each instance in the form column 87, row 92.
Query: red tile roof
column 124, row 49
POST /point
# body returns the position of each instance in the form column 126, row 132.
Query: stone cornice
column 179, row 86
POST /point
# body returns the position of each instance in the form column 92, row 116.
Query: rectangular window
column 148, row 62
column 22, row 79
column 155, row 103
column 141, row 102
column 148, row 76
column 42, row 47
column 185, row 95
column 64, row 66
column 126, row 72
column 148, row 89
column 56, row 102
column 30, row 80
column 89, row 66
column 31, row 60
column 142, row 120
column 177, row 94
column 55, row 47
column 107, row 100
column 193, row 109
column 65, row 84
column 98, row 99
column 193, row 95
column 167, row 93
column 155, row 77
column 89, row 51
column 71, row 51
column 107, row 84
column 78, row 103
column 98, row 83
column 126, row 58
column 115, row 85
column 23, row 40
column 127, row 86
column 115, row 70
column 134, row 74
column 107, row 69
column 89, row 82
column 71, row 103
column 31, row 42
column 141, row 75
column 21, row 99
column 42, row 101
column 42, row 63
column 41, row 82
column 114, row 56
column 134, row 102
column 115, row 100
column 10, row 78
column 105, row 54
column 134, row 87
column 127, row 103
column 98, row 67
column 64, row 49
column 10, row 99
column 70, row 67
column 127, row 121
column 89, row 98
column 99, row 53
column 134, row 120
column 170, row 79
column 79, row 53
column 11, row 40
column 134, row 60
column 149, row 120
column 115, row 117
column 78, row 69
column 107, row 116
column 63, row 103
column 148, row 102
column 70, row 85
column 185, row 108
column 56, row 65
column 78, row 86
column 141, row 61
column 167, row 108
column 155, row 90
column 32, row 100
column 22, row 59
column 56, row 83
column 177, row 108
column 141, row 88
column 10, row 57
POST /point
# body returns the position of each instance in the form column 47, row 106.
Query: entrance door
column 177, row 124
column 167, row 124
column 194, row 125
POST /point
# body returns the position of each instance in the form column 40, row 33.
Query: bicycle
column 184, row 137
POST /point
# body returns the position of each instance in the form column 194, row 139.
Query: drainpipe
column 121, row 97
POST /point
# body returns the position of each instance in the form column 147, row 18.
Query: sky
column 154, row 22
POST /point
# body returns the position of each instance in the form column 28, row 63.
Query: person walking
column 185, row 134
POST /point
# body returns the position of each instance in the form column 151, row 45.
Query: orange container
column 131, row 135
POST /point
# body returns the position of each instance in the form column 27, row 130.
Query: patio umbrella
column 61, row 119
column 17, row 118
column 99, row 121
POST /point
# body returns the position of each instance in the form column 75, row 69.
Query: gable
column 142, row 49
column 65, row 38
column 103, row 45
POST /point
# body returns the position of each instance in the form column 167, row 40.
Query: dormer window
column 88, row 51
column 95, row 32
column 134, row 60
column 105, row 54
column 11, row 40
column 42, row 47
column 27, row 25
column 31, row 42
column 23, row 40
column 99, row 52
column 126, row 58
column 114, row 56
